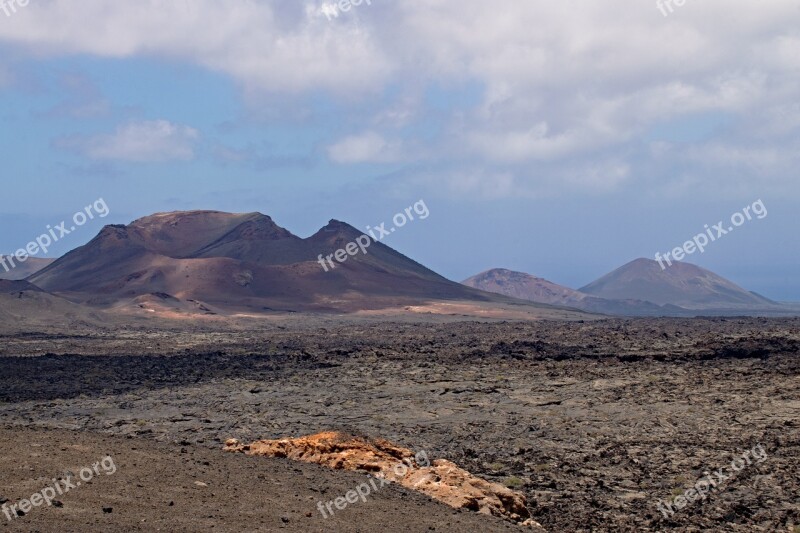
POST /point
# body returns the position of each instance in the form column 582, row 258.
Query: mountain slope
column 24, row 306
column 242, row 262
column 17, row 286
column 24, row 269
column 681, row 284
column 528, row 287
column 524, row 286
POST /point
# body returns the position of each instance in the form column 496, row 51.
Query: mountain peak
column 682, row 284
column 338, row 225
column 336, row 229
column 184, row 233
column 503, row 273
column 523, row 286
column 242, row 262
column 167, row 217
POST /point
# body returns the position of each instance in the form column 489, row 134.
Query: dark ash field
column 594, row 421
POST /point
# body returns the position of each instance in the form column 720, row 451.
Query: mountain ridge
column 242, row 262
column 683, row 284
column 638, row 288
column 540, row 290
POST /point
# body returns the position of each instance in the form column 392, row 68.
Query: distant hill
column 24, row 269
column 16, row 286
column 223, row 262
column 524, row 286
column 639, row 288
column 24, row 305
column 540, row 290
column 682, row 284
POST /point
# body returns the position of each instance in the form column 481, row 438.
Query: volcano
column 682, row 284
column 535, row 289
column 225, row 262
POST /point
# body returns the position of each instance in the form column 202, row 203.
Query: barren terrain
column 594, row 421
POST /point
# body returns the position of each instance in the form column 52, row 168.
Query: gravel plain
column 596, row 422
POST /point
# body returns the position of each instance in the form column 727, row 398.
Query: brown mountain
column 682, row 284
column 524, row 286
column 223, row 262
column 24, row 269
column 17, row 286
column 24, row 305
column 535, row 289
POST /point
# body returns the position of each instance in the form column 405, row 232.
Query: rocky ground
column 160, row 487
column 595, row 422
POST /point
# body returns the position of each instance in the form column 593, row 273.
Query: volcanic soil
column 594, row 422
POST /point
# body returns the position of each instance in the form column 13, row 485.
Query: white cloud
column 148, row 141
column 561, row 81
column 534, row 143
column 253, row 41
column 369, row 147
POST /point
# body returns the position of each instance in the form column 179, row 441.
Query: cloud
column 563, row 85
column 534, row 143
column 147, row 141
column 264, row 46
column 369, row 147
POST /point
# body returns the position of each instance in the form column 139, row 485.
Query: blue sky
column 560, row 140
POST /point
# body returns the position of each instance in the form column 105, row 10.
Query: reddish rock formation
column 442, row 480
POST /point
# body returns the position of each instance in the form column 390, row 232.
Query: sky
column 562, row 139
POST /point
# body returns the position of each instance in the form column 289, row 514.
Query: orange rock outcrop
column 441, row 480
